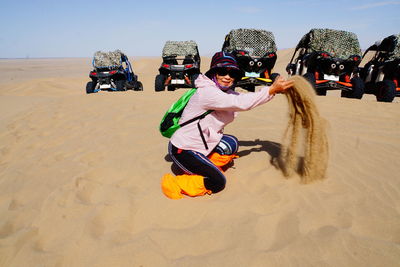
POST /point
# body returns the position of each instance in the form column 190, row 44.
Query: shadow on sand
column 247, row 147
column 274, row 150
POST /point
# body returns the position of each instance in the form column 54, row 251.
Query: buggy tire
column 159, row 83
column 385, row 91
column 130, row 85
column 139, row 86
column 121, row 85
column 358, row 89
column 90, row 87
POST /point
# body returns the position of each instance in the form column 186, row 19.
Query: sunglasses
column 233, row 73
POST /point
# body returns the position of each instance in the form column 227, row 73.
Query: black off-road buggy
column 382, row 72
column 113, row 72
column 255, row 51
column 180, row 66
column 329, row 59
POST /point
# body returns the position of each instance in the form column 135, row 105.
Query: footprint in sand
column 96, row 227
column 4, row 151
column 7, row 229
column 85, row 190
column 287, row 231
column 11, row 226
column 14, row 205
column 91, row 189
column 113, row 220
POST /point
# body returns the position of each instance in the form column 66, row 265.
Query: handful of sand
column 305, row 145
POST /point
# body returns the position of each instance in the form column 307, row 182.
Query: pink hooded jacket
column 225, row 104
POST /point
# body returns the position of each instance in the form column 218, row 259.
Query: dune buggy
column 329, row 59
column 180, row 66
column 112, row 72
column 255, row 52
column 381, row 73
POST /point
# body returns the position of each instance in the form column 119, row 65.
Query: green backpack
column 170, row 122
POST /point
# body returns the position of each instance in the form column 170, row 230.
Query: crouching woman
column 200, row 149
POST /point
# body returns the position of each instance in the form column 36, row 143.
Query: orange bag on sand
column 191, row 185
column 221, row 160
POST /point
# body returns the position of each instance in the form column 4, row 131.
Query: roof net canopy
column 394, row 52
column 107, row 59
column 180, row 48
column 255, row 42
column 340, row 44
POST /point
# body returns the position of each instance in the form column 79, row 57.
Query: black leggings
column 192, row 162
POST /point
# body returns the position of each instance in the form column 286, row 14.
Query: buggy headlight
column 333, row 65
column 341, row 67
column 251, row 63
column 259, row 63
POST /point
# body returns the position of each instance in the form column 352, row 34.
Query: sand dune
column 80, row 180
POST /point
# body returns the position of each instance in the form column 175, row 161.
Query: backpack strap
column 198, row 125
column 196, row 118
column 202, row 135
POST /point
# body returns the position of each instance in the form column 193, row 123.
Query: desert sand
column 80, row 180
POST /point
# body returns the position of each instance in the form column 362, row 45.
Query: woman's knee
column 234, row 143
column 215, row 184
column 228, row 145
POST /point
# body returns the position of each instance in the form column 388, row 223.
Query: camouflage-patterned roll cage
column 181, row 50
column 386, row 61
column 323, row 47
column 387, row 49
column 180, row 66
column 340, row 44
column 254, row 49
column 112, row 60
column 255, row 52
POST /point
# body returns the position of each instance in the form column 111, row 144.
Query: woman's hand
column 280, row 85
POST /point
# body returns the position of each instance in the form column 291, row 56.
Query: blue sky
column 46, row 28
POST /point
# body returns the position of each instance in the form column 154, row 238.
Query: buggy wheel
column 120, row 84
column 385, row 91
column 159, row 83
column 130, row 85
column 90, row 87
column 310, row 77
column 357, row 89
column 139, row 86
